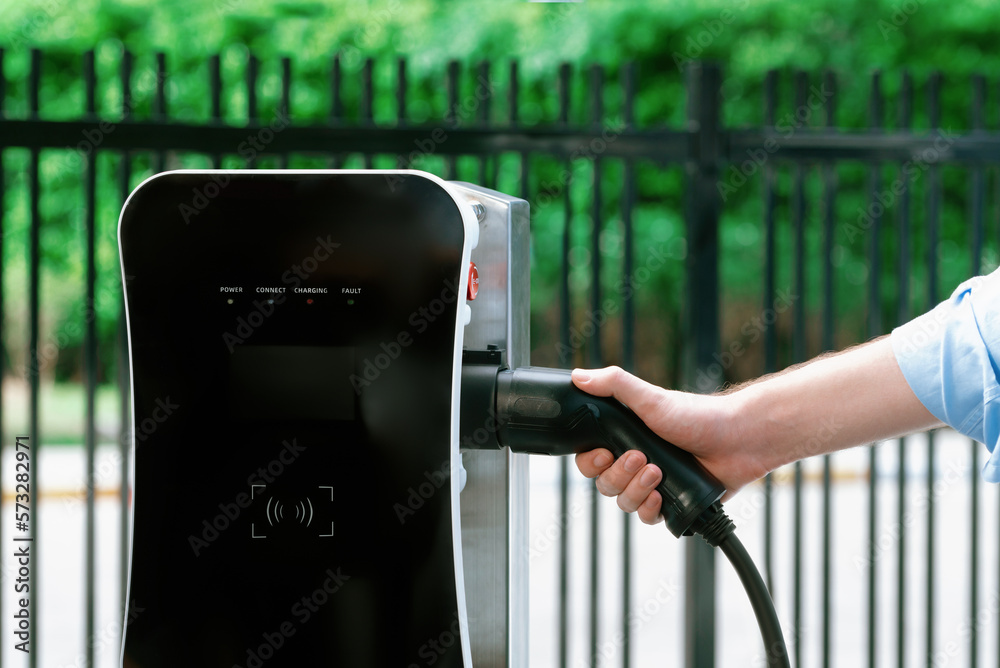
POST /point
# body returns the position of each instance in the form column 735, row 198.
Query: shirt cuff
column 948, row 357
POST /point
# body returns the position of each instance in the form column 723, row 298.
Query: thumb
column 615, row 382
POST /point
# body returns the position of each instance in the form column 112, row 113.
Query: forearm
column 835, row 402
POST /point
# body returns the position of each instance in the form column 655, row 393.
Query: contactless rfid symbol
column 303, row 511
column 282, row 512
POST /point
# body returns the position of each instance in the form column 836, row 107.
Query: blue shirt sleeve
column 949, row 358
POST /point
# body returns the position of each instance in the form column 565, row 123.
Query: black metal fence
column 793, row 199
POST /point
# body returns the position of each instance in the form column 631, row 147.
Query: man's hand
column 834, row 402
column 701, row 424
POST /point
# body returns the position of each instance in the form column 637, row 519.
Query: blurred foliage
column 747, row 37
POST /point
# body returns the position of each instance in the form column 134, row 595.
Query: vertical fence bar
column 798, row 355
column 628, row 83
column 124, row 381
column 770, row 335
column 514, row 94
column 336, row 116
column 451, row 113
column 160, row 105
column 829, row 220
column 483, row 74
column 597, row 204
column 368, row 101
column 702, row 326
column 34, row 257
column 400, row 92
column 253, row 67
column 594, row 347
column 565, row 315
column 977, row 205
column 874, row 328
column 285, row 107
column 933, row 222
column 902, row 315
column 215, row 91
column 402, row 162
column 90, row 359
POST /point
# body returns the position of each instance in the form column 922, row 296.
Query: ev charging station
column 301, row 506
column 342, row 481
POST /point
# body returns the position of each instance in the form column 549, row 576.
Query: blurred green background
column 747, row 37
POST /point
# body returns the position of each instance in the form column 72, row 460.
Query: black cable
column 760, row 599
column 719, row 531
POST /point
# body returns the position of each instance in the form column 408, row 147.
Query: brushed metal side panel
column 494, row 502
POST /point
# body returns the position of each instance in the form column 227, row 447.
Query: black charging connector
column 537, row 410
column 541, row 411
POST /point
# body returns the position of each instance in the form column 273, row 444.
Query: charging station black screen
column 291, row 382
column 293, row 508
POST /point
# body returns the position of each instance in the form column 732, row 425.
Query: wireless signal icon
column 276, row 511
column 298, row 512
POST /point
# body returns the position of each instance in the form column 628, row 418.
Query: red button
column 473, row 281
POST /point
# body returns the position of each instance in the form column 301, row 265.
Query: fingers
column 617, row 477
column 594, row 463
column 629, row 478
column 634, row 392
column 638, row 489
column 649, row 511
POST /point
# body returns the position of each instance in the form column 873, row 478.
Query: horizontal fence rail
column 694, row 255
column 658, row 145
